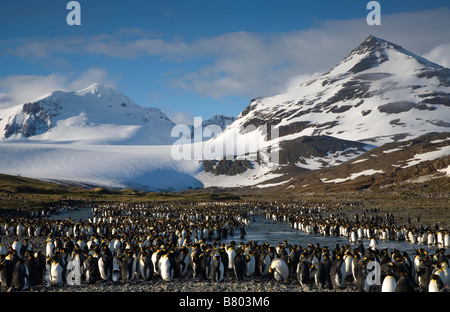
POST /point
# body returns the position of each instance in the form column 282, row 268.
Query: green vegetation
column 28, row 194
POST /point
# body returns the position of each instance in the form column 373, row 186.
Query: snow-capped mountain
column 379, row 93
column 96, row 114
column 203, row 130
column 219, row 120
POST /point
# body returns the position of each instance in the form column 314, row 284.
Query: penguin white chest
column 389, row 284
column 165, row 269
column 280, row 270
column 250, row 266
column 56, row 271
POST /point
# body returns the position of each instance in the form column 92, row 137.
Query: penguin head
column 435, row 277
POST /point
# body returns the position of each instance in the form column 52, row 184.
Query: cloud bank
column 238, row 63
column 19, row 89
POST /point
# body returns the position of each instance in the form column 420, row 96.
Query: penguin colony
column 126, row 242
column 315, row 219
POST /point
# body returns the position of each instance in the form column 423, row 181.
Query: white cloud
column 20, row 89
column 249, row 64
column 440, row 55
column 93, row 75
column 181, row 118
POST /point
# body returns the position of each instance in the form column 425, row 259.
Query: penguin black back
column 91, row 269
column 239, row 266
column 6, row 271
column 20, row 278
column 321, row 274
column 32, row 265
column 404, row 283
column 217, row 269
column 303, row 272
column 41, row 267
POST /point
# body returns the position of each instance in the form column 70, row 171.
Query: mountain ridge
column 94, row 114
column 379, row 94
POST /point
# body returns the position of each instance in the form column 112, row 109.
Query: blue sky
column 198, row 58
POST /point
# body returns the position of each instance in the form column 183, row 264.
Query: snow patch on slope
column 418, row 158
column 353, row 176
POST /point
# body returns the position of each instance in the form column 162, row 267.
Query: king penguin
column 32, row 265
column 404, row 283
column 166, row 267
column 337, row 272
column 90, row 268
column 264, row 263
column 348, row 265
column 20, row 278
column 423, row 273
column 17, row 246
column 6, row 271
column 105, row 267
column 41, row 266
column 389, row 283
column 127, row 265
column 373, row 243
column 239, row 266
column 217, row 269
column 105, row 263
column 146, row 269
column 56, row 273
column 279, row 269
column 436, row 284
column 231, row 252
column 181, row 258
column 49, row 248
column 304, row 273
column 3, row 249
column 320, row 275
column 250, row 265
column 441, row 269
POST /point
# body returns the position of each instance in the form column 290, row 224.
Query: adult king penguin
column 337, row 272
column 304, row 273
column 6, row 271
column 145, row 264
column 90, row 268
column 389, row 283
column 231, row 253
column 250, row 265
column 166, row 266
column 20, row 278
column 404, row 283
column 436, row 284
column 240, row 266
column 217, row 269
column 127, row 265
column 56, row 273
column 264, row 263
column 279, row 269
column 105, row 263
